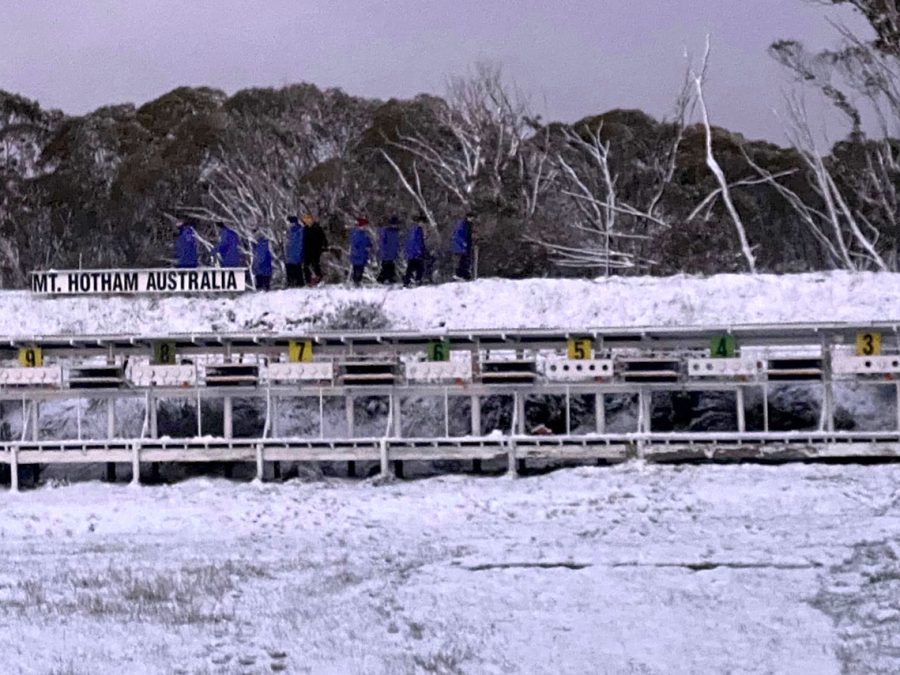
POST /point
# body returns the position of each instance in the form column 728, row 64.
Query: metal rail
column 510, row 452
column 351, row 342
column 641, row 361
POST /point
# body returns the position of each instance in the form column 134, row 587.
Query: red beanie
column 362, row 221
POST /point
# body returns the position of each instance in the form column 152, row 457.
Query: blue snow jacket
column 415, row 243
column 229, row 248
column 262, row 258
column 389, row 244
column 185, row 247
column 360, row 243
column 294, row 254
column 461, row 242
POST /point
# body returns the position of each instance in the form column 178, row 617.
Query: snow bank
column 487, row 303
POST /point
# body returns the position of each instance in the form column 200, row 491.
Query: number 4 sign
column 722, row 347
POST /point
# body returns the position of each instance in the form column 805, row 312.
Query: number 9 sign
column 31, row 357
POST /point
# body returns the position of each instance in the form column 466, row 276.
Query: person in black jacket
column 314, row 244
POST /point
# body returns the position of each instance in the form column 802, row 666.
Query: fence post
column 385, row 464
column 111, row 417
column 511, row 464
column 600, row 412
column 260, row 465
column 135, row 463
column 14, row 468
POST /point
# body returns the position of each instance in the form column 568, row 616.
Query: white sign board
column 135, row 282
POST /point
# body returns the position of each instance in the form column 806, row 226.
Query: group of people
column 306, row 242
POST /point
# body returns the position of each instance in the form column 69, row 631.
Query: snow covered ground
column 630, row 569
column 487, row 303
column 635, row 568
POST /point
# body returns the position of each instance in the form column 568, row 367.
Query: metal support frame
column 227, row 421
column 741, row 411
column 135, row 463
column 35, row 420
column 14, row 468
column 153, row 404
column 897, row 403
column 645, row 400
column 519, row 415
column 476, row 414
column 600, row 412
column 110, row 417
column 275, row 410
column 321, row 414
column 349, row 404
column 826, row 420
column 397, row 415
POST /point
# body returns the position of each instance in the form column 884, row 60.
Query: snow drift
column 487, row 303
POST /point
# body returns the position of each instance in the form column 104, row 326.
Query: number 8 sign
column 164, row 353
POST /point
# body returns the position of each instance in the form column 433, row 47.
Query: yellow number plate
column 31, row 357
column 868, row 344
column 580, row 349
column 300, row 351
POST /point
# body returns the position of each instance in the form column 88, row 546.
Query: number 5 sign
column 579, row 349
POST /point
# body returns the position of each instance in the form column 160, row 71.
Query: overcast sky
column 575, row 57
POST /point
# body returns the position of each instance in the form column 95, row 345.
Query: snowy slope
column 631, row 569
column 488, row 303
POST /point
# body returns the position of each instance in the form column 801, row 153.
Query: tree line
column 614, row 193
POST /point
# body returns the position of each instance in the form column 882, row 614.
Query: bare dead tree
column 855, row 207
column 608, row 226
column 262, row 173
column 698, row 78
column 483, row 127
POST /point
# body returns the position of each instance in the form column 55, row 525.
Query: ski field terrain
column 635, row 568
column 628, row 569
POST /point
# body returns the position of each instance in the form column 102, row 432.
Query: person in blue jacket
column 293, row 257
column 461, row 246
column 262, row 263
column 186, row 246
column 415, row 253
column 229, row 248
column 360, row 244
column 388, row 250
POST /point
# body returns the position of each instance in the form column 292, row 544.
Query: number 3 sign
column 868, row 344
